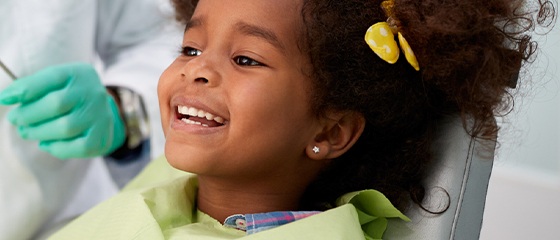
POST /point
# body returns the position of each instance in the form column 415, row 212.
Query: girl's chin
column 178, row 162
column 185, row 157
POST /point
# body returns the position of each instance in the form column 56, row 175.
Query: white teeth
column 190, row 111
column 187, row 121
column 193, row 112
column 219, row 120
column 201, row 113
column 183, row 110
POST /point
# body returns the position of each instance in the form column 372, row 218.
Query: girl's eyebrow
column 260, row 32
column 193, row 22
column 246, row 29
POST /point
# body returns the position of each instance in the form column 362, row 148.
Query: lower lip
column 179, row 125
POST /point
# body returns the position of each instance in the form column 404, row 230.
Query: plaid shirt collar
column 253, row 223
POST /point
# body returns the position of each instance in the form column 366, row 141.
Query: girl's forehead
column 274, row 14
column 276, row 21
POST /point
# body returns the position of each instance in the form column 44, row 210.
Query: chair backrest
column 462, row 170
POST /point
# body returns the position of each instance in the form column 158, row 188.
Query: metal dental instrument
column 7, row 70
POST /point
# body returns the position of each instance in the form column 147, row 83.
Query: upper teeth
column 191, row 111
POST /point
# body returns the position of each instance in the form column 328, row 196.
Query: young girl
column 285, row 114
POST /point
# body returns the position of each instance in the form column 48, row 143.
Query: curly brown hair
column 469, row 53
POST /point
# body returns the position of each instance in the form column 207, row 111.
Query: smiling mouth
column 193, row 116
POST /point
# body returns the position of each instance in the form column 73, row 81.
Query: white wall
column 523, row 199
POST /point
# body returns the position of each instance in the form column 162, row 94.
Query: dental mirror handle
column 7, row 70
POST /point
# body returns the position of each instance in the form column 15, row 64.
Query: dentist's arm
column 66, row 109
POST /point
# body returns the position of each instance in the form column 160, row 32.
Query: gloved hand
column 66, row 109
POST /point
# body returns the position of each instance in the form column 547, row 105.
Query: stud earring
column 315, row 149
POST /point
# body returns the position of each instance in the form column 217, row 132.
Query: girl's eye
column 190, row 52
column 246, row 61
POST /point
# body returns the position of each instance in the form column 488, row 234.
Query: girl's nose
column 202, row 70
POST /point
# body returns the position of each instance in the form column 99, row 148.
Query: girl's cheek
column 164, row 81
column 164, row 95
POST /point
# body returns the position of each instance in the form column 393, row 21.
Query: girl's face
column 236, row 102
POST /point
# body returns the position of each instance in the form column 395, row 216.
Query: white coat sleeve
column 137, row 40
column 34, row 185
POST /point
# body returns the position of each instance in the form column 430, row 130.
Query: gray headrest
column 461, row 168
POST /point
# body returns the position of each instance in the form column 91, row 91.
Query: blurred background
column 523, row 200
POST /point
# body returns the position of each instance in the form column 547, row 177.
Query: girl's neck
column 221, row 200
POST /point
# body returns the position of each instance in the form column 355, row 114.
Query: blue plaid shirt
column 253, row 223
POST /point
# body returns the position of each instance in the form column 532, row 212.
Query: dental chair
column 459, row 181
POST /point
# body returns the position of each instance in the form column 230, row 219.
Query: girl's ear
column 339, row 133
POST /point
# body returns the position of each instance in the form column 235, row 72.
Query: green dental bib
column 160, row 204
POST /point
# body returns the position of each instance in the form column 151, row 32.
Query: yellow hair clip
column 381, row 39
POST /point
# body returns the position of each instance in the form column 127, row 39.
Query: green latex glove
column 66, row 109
